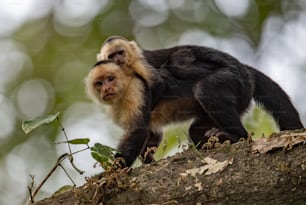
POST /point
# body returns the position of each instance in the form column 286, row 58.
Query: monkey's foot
column 147, row 157
column 221, row 135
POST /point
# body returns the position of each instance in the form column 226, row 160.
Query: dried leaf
column 198, row 186
column 285, row 141
column 211, row 166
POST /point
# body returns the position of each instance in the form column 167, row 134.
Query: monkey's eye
column 111, row 56
column 98, row 83
column 121, row 52
column 110, row 78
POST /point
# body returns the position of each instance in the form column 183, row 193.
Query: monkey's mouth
column 109, row 96
column 121, row 62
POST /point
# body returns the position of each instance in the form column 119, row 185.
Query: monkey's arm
column 132, row 144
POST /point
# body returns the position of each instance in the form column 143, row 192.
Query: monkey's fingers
column 213, row 132
column 119, row 161
column 126, row 170
column 221, row 135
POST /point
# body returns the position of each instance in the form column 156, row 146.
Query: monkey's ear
column 135, row 47
column 133, row 44
column 99, row 57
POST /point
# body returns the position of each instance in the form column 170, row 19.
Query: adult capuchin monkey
column 147, row 89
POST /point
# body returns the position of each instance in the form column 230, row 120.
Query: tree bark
column 267, row 171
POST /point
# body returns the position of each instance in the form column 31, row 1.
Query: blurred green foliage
column 259, row 123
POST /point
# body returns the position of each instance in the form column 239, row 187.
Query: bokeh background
column 47, row 47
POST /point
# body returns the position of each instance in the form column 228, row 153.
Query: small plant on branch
column 104, row 155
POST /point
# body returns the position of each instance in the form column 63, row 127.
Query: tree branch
column 243, row 173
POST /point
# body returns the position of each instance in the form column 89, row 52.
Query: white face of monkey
column 106, row 83
column 121, row 51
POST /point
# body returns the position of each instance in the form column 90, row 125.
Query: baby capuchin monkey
column 149, row 89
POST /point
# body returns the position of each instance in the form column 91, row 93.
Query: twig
column 60, row 165
column 60, row 159
column 65, row 134
column 31, row 196
column 194, row 146
column 30, row 188
column 70, row 152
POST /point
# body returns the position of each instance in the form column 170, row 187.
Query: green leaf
column 103, row 148
column 102, row 153
column 30, row 125
column 63, row 189
column 99, row 158
column 76, row 141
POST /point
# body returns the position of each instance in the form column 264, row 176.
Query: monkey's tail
column 276, row 101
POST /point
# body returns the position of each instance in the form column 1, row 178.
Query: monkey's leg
column 149, row 148
column 198, row 128
column 203, row 128
column 219, row 95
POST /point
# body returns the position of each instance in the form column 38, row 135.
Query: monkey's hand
column 131, row 145
column 119, row 161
